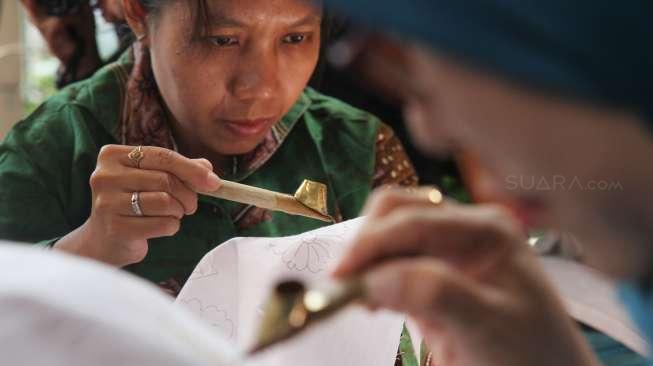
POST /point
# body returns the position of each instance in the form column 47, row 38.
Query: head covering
column 637, row 298
column 600, row 50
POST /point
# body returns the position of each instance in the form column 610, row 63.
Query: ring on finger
column 430, row 193
column 435, row 196
column 136, row 155
column 136, row 205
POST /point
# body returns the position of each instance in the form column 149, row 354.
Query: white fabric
column 231, row 283
column 59, row 310
column 591, row 298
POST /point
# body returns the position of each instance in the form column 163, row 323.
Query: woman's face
column 563, row 164
column 226, row 87
column 575, row 167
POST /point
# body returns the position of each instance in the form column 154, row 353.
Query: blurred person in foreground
column 551, row 91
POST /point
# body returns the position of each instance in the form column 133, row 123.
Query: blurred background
column 27, row 68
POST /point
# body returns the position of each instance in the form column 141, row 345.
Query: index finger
column 194, row 174
column 384, row 200
column 457, row 234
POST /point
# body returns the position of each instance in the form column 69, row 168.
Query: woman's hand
column 166, row 183
column 467, row 276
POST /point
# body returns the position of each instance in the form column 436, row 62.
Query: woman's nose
column 257, row 76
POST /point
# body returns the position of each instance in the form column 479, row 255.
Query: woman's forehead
column 250, row 12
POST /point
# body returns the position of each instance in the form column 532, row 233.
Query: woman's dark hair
column 199, row 12
column 332, row 27
column 201, row 18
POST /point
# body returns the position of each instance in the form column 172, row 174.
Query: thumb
column 428, row 290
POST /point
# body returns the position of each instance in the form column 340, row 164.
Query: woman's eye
column 224, row 41
column 294, row 38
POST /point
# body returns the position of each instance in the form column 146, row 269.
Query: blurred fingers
column 429, row 290
column 451, row 232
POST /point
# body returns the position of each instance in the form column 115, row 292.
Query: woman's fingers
column 205, row 163
column 195, row 175
column 427, row 289
column 157, row 181
column 452, row 232
column 129, row 180
column 140, row 194
column 383, row 201
column 137, row 228
column 152, row 204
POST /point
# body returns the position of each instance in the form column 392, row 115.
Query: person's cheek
column 299, row 65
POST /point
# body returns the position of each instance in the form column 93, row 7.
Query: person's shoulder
column 101, row 95
column 93, row 104
column 327, row 109
column 54, row 119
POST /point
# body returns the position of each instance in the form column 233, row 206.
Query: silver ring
column 136, row 206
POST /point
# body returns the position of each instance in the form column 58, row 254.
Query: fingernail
column 214, row 180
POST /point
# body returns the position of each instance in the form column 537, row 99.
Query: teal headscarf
column 638, row 300
column 599, row 50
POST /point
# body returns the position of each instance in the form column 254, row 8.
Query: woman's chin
column 238, row 147
column 228, row 142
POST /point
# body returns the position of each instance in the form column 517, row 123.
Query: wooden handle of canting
column 248, row 195
column 264, row 198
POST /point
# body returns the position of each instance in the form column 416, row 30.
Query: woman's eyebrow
column 310, row 19
column 226, row 21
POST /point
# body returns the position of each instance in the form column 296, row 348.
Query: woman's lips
column 248, row 128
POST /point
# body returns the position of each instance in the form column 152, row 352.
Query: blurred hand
column 468, row 278
column 167, row 182
column 63, row 34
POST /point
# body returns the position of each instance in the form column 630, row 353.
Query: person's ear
column 136, row 17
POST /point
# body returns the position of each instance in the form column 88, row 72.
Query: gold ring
column 136, row 155
column 435, row 196
column 431, row 193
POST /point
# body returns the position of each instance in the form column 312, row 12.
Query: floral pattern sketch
column 309, row 253
column 206, row 268
column 213, row 316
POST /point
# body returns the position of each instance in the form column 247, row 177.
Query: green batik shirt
column 46, row 161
